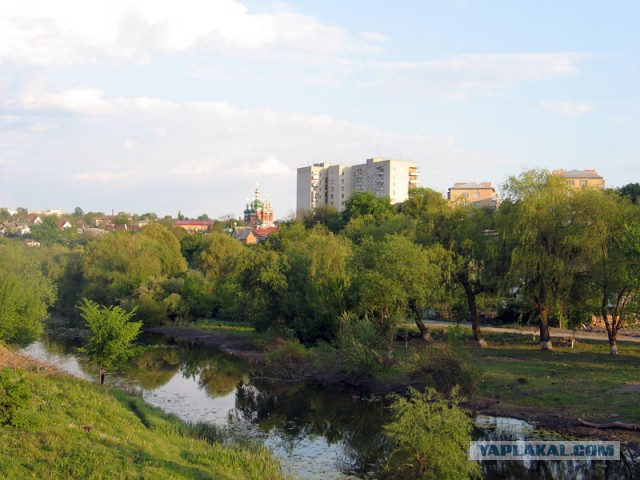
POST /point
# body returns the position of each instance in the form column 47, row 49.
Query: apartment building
column 481, row 194
column 333, row 184
column 581, row 178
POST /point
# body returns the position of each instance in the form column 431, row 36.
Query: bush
column 444, row 370
column 359, row 341
column 289, row 361
column 15, row 397
column 430, row 435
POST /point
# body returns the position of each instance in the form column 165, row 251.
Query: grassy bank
column 74, row 429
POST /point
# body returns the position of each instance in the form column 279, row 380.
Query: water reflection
column 316, row 432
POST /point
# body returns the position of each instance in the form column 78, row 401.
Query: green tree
column 47, row 231
column 25, row 295
column 470, row 237
column 430, row 436
column 366, row 203
column 317, row 281
column 536, row 220
column 326, row 215
column 113, row 334
column 394, row 279
column 631, row 191
column 608, row 238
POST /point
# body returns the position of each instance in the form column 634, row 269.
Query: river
column 317, row 433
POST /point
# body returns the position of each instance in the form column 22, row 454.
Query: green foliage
column 455, row 334
column 25, row 295
column 15, row 397
column 443, row 369
column 359, row 341
column 47, row 231
column 366, row 203
column 431, row 436
column 289, row 361
column 631, row 191
column 112, row 334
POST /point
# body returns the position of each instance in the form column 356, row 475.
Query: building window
column 583, row 183
column 476, row 195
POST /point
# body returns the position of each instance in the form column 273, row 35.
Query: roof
column 186, row 223
column 263, row 232
column 472, row 185
column 577, row 173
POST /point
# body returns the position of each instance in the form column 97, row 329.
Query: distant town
column 321, row 184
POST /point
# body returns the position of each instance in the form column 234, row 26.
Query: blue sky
column 184, row 106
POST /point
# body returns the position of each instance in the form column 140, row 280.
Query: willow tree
column 469, row 236
column 608, row 235
column 536, row 217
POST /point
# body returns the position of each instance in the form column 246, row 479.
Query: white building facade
column 332, row 184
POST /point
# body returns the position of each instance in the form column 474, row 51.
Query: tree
column 469, row 235
column 430, row 437
column 366, row 203
column 631, row 191
column 47, row 231
column 25, row 295
column 536, row 219
column 393, row 279
column 112, row 335
column 326, row 215
column 608, row 236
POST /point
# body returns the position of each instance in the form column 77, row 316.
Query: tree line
column 550, row 254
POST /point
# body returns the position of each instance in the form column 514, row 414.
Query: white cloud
column 271, row 166
column 70, row 32
column 569, row 109
column 80, row 99
column 457, row 78
column 130, row 143
column 106, row 177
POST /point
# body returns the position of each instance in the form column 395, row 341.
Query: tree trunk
column 543, row 313
column 473, row 311
column 417, row 316
column 101, row 376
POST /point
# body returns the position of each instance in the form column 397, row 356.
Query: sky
column 164, row 106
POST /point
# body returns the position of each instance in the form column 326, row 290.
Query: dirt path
column 632, row 336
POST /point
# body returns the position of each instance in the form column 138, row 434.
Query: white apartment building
column 332, row 184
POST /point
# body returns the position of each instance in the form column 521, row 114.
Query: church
column 258, row 213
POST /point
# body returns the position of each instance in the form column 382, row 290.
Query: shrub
column 430, row 435
column 290, row 361
column 443, row 370
column 359, row 341
column 15, row 397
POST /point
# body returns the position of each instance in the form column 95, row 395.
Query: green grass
column 80, row 430
column 585, row 382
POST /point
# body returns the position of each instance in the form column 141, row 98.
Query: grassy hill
column 74, row 429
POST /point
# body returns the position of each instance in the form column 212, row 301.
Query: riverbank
column 553, row 390
column 70, row 428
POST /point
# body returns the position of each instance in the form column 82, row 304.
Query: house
column 244, row 235
column 193, row 226
column 581, row 178
column 261, row 233
column 34, row 219
column 62, row 224
column 479, row 194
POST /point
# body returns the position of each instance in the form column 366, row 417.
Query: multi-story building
column 581, row 178
column 479, row 194
column 332, row 184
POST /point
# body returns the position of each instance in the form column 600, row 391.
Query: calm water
column 315, row 432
